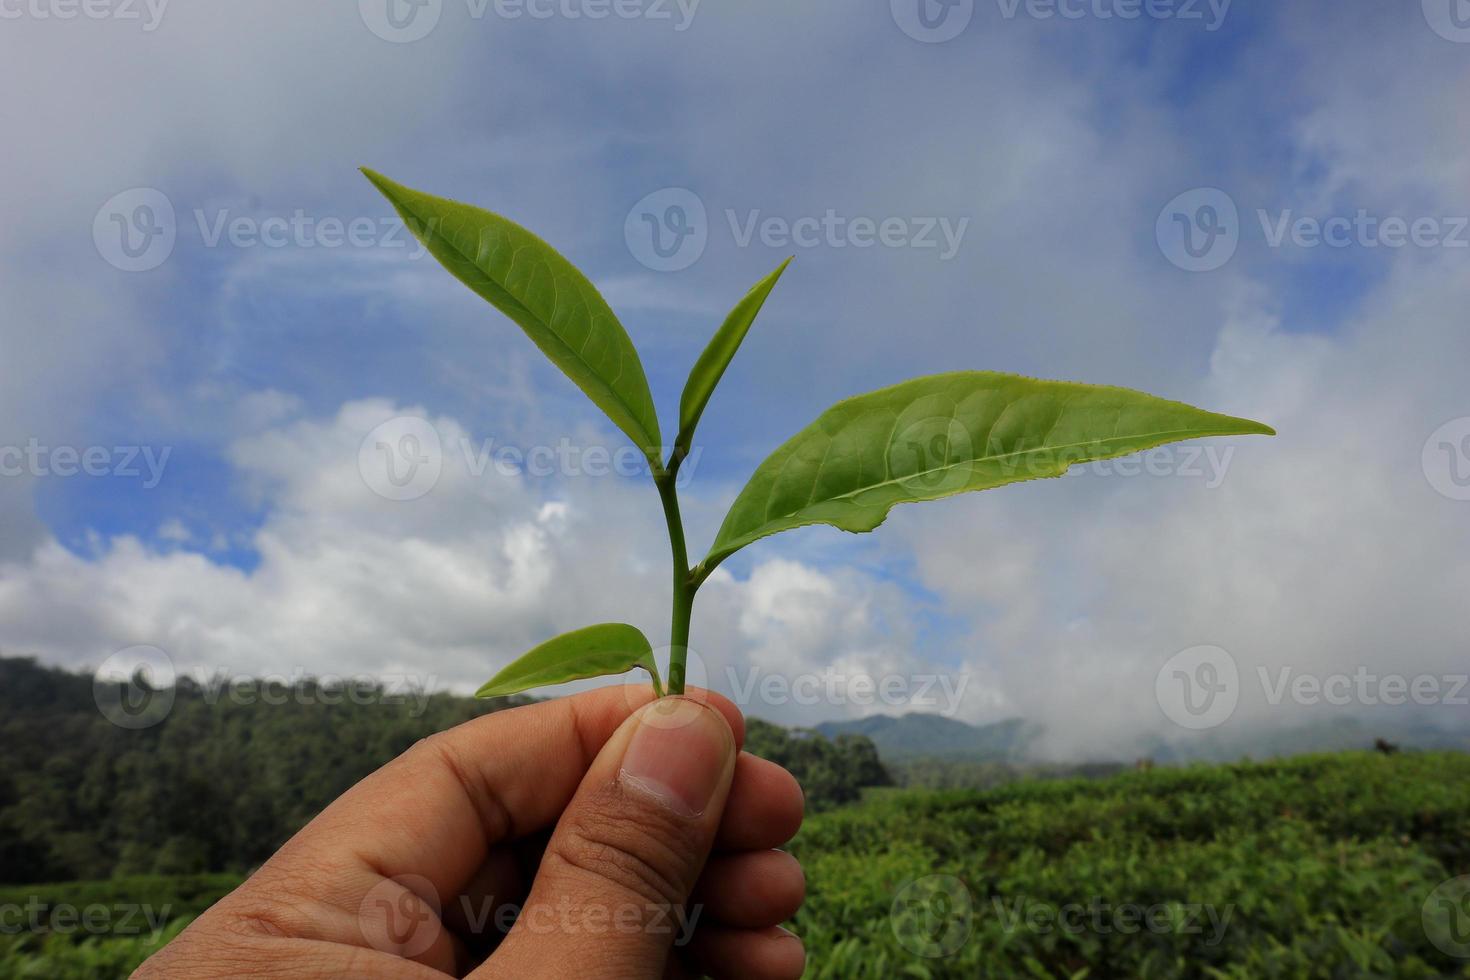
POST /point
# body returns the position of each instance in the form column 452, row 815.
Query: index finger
column 435, row 811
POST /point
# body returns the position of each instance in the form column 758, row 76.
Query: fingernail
column 678, row 755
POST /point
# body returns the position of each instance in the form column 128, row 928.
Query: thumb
column 628, row 849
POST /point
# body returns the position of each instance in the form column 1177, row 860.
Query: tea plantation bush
column 98, row 928
column 1313, row 867
column 1317, row 867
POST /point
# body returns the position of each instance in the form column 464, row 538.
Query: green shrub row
column 1317, row 867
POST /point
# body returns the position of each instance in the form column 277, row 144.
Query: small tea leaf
column 557, row 306
column 717, row 356
column 595, row 651
column 946, row 434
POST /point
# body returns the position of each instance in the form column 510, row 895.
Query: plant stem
column 684, row 585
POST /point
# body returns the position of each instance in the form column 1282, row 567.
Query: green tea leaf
column 717, row 356
column 946, row 434
column 595, row 651
column 530, row 282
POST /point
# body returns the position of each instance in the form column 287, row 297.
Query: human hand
column 634, row 838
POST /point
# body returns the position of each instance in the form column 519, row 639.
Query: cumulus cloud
column 1324, row 550
column 444, row 588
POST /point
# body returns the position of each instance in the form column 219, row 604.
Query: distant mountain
column 920, row 735
column 1328, row 735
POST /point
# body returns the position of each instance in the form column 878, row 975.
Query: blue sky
column 1049, row 147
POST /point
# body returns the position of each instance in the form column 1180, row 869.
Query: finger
column 749, row 954
column 627, row 852
column 486, row 904
column 435, row 811
column 206, row 952
column 751, row 890
column 387, row 915
column 764, row 810
column 765, row 807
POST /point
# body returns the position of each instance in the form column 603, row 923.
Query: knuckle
column 278, row 901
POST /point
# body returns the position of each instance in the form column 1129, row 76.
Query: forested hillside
column 231, row 773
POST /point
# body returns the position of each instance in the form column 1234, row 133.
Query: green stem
column 684, row 585
column 658, row 687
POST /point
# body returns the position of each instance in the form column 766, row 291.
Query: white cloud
column 1323, row 548
column 446, row 588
